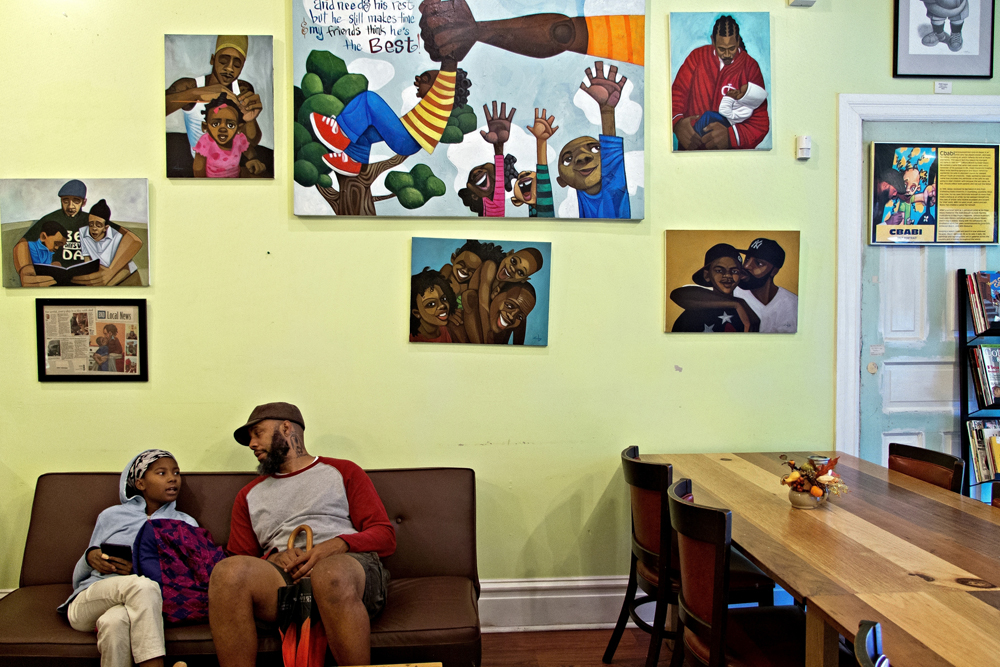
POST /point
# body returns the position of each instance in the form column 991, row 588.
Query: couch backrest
column 432, row 509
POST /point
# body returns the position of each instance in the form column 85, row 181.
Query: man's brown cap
column 279, row 411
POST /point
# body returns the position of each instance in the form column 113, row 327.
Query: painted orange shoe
column 342, row 163
column 329, row 132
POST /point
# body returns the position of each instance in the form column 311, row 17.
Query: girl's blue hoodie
column 118, row 525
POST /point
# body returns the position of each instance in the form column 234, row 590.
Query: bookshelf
column 966, row 340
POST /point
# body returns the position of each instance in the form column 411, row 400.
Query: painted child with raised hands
column 126, row 609
column 218, row 151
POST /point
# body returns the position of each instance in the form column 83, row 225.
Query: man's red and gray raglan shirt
column 334, row 497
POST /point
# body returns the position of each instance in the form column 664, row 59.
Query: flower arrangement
column 816, row 476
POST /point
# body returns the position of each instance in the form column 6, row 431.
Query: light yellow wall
column 251, row 304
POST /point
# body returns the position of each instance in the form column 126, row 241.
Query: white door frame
column 852, row 224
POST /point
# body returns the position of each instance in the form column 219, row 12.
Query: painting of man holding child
column 220, row 120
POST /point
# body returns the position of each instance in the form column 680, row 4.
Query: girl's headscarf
column 140, row 465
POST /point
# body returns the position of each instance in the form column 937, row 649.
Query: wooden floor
column 566, row 648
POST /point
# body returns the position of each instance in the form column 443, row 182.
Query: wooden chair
column 868, row 645
column 714, row 634
column 651, row 536
column 996, row 494
column 936, row 468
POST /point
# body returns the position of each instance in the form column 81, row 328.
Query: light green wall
column 251, row 304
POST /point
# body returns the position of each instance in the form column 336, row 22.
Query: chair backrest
column 933, row 467
column 704, row 536
column 651, row 535
column 868, row 645
column 996, row 495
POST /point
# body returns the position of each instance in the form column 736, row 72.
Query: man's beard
column 751, row 282
column 276, row 457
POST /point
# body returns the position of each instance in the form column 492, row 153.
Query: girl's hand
column 497, row 124
column 255, row 167
column 106, row 564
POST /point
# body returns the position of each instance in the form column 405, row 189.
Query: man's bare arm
column 450, row 29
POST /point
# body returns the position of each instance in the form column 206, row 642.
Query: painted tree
column 326, row 88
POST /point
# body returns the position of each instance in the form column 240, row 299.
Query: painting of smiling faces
column 219, row 92
column 482, row 292
column 732, row 281
column 491, row 108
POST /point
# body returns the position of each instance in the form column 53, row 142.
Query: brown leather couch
column 431, row 614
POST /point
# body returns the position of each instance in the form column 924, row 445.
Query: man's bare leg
column 338, row 589
column 241, row 589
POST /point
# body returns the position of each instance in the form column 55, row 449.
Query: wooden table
column 922, row 561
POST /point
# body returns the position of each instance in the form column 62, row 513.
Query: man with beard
column 190, row 95
column 43, row 236
column 777, row 308
column 351, row 531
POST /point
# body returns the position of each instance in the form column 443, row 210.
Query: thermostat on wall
column 801, row 3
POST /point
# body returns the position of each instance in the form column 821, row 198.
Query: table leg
column 821, row 640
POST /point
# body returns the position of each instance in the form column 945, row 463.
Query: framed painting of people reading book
column 91, row 232
column 91, row 340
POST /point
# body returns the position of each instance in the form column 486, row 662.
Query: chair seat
column 743, row 575
column 759, row 637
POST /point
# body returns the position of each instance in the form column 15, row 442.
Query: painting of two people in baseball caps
column 732, row 281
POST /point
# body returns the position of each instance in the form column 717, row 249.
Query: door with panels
column 909, row 333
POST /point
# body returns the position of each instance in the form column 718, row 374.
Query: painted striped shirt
column 426, row 121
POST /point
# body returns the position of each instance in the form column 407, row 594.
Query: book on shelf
column 994, row 449
column 984, row 299
column 980, row 450
column 984, row 362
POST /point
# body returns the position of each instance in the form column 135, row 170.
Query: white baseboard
column 569, row 603
column 4, row 591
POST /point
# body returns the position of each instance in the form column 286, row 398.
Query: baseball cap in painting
column 279, row 411
column 714, row 253
column 73, row 188
column 767, row 250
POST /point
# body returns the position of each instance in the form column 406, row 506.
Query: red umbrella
column 303, row 640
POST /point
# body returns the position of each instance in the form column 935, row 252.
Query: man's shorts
column 376, row 580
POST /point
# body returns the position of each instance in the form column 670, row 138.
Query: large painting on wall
column 740, row 281
column 720, row 73
column 491, row 109
column 943, row 38
column 219, row 104
column 478, row 291
column 87, row 233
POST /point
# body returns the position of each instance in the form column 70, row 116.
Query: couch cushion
column 427, row 612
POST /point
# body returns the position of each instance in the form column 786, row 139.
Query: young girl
column 218, row 151
column 126, row 609
column 484, row 189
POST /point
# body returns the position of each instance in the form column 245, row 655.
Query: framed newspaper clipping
column 91, row 340
column 933, row 194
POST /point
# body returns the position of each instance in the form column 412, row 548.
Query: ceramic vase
column 803, row 500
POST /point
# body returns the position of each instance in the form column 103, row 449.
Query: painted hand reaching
column 498, row 125
column 543, row 128
column 448, row 29
column 604, row 89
